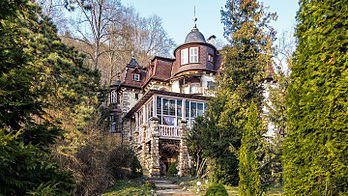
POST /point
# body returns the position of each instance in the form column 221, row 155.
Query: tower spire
column 194, row 17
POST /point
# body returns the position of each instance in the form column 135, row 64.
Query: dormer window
column 184, row 56
column 136, row 77
column 194, row 55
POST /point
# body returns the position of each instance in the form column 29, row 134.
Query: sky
column 177, row 15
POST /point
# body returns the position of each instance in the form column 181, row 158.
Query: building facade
column 153, row 105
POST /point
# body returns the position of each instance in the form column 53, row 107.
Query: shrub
column 216, row 190
column 137, row 170
column 172, row 171
column 120, row 161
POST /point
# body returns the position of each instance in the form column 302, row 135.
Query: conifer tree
column 40, row 79
column 25, row 165
column 315, row 153
column 249, row 170
column 245, row 62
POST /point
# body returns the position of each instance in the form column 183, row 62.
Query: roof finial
column 132, row 54
column 194, row 17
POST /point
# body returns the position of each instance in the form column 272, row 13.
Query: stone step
column 162, row 186
column 172, row 192
column 161, row 181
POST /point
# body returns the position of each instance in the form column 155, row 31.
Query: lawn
column 140, row 187
column 129, row 188
column 191, row 185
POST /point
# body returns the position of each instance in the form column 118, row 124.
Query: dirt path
column 167, row 187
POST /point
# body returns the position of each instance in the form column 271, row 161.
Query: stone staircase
column 168, row 188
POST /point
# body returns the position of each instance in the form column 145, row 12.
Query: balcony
column 165, row 132
column 169, row 132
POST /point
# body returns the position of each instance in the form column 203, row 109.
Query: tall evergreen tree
column 25, row 166
column 315, row 152
column 249, row 167
column 245, row 62
column 40, row 79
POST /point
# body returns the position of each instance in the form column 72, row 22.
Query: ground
column 169, row 186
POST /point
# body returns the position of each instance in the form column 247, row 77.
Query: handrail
column 169, row 131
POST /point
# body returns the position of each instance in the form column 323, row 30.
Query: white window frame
column 184, row 56
column 194, row 55
column 113, row 97
column 210, row 58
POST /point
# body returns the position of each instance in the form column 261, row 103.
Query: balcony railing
column 165, row 132
column 169, row 132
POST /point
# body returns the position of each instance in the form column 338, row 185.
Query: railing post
column 155, row 168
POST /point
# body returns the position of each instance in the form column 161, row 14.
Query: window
column 113, row 97
column 169, row 111
column 199, row 109
column 172, row 107
column 194, row 109
column 194, row 55
column 184, row 56
column 195, row 88
column 165, row 107
column 210, row 58
column 179, row 103
column 211, row 85
column 136, row 77
column 136, row 96
column 187, row 108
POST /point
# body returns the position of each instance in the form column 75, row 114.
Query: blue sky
column 177, row 15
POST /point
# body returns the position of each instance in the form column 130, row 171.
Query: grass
column 141, row 187
column 130, row 187
column 191, row 185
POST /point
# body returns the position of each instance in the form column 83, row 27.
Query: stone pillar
column 155, row 167
column 144, row 149
column 183, row 152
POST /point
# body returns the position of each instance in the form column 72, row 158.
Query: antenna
column 194, row 17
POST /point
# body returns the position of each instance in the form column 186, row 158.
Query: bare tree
column 108, row 32
column 56, row 10
column 91, row 25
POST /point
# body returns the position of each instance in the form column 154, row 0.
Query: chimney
column 212, row 40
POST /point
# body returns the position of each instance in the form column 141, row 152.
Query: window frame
column 184, row 56
column 138, row 76
column 210, row 58
column 194, row 51
column 113, row 97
